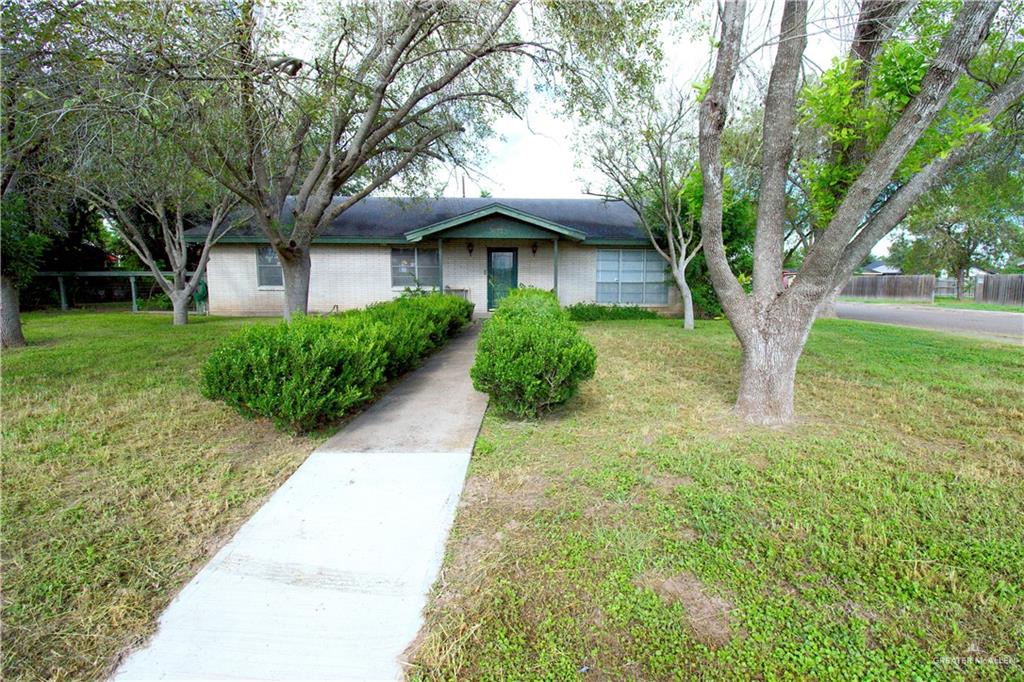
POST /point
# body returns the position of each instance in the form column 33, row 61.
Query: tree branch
column 780, row 108
column 960, row 44
column 713, row 112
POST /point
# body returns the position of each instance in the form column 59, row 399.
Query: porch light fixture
column 534, row 248
column 469, row 247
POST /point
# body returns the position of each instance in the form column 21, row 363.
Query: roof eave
column 323, row 239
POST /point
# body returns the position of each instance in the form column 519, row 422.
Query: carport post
column 63, row 293
column 135, row 303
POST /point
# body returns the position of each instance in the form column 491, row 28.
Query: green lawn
column 641, row 533
column 119, row 481
column 943, row 302
column 970, row 304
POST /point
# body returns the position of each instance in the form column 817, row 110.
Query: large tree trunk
column 768, row 374
column 10, row 315
column 179, row 299
column 960, row 284
column 296, row 269
column 827, row 308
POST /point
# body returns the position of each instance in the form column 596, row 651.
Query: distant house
column 879, row 268
column 586, row 250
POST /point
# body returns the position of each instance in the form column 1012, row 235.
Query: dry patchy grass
column 640, row 533
column 119, row 481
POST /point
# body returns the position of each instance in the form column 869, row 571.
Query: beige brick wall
column 352, row 276
column 349, row 276
column 577, row 273
column 231, row 276
column 346, row 276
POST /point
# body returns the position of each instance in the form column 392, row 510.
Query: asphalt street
column 999, row 325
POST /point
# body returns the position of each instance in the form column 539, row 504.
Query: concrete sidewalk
column 329, row 578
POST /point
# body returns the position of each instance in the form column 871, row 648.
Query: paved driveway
column 991, row 324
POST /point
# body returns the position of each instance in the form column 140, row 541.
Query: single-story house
column 879, row 268
column 586, row 250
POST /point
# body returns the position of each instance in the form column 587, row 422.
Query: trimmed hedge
column 592, row 312
column 420, row 323
column 312, row 370
column 531, row 356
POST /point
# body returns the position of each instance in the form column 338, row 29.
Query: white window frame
column 643, row 278
column 416, row 266
column 260, row 266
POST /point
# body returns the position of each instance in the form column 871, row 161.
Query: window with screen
column 415, row 267
column 268, row 268
column 631, row 277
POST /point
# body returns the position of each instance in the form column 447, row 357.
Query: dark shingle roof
column 882, row 267
column 386, row 218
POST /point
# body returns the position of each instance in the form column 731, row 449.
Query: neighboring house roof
column 880, row 268
column 398, row 220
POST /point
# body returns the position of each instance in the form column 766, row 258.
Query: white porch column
column 554, row 244
column 440, row 264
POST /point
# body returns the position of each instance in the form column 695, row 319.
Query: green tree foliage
column 609, row 51
column 974, row 217
column 82, row 243
column 384, row 92
column 849, row 126
column 739, row 219
column 850, row 112
column 22, row 243
column 42, row 44
column 77, row 241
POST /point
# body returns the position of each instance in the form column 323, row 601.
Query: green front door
column 502, row 274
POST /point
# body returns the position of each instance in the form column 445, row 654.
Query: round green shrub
column 299, row 374
column 530, row 302
column 531, row 356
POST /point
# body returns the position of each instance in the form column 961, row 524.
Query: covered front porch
column 485, row 254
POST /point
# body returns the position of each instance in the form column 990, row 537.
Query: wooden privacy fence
column 907, row 287
column 1001, row 289
column 946, row 286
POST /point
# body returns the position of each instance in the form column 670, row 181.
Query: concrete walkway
column 329, row 578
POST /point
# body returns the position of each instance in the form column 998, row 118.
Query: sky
column 529, row 157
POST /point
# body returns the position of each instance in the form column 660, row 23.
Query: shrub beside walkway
column 328, row 580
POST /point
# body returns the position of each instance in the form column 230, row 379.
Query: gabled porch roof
column 496, row 221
